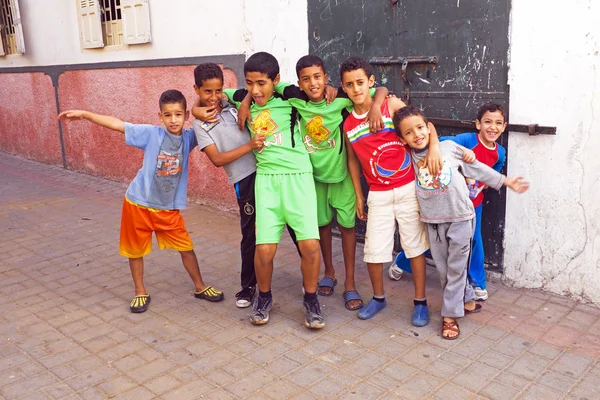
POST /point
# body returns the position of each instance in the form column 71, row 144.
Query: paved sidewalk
column 66, row 331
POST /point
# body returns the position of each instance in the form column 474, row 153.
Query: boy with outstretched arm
column 447, row 211
column 284, row 188
column 490, row 124
column 221, row 140
column 157, row 193
column 320, row 125
column 388, row 170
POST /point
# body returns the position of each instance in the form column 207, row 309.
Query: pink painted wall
column 132, row 94
column 28, row 125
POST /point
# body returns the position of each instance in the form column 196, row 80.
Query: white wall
column 553, row 232
column 180, row 28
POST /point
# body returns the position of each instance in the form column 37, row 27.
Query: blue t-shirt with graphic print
column 161, row 183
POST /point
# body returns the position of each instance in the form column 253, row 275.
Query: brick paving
column 66, row 331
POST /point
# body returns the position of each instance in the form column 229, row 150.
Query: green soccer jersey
column 283, row 152
column 320, row 127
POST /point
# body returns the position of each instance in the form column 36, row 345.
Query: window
column 113, row 22
column 11, row 31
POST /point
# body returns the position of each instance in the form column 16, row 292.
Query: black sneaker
column 313, row 319
column 260, row 310
column 245, row 297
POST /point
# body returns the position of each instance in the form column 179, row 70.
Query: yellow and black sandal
column 210, row 294
column 140, row 303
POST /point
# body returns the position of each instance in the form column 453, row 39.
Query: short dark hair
column 264, row 63
column 405, row 112
column 309, row 61
column 206, row 71
column 491, row 107
column 172, row 96
column 354, row 63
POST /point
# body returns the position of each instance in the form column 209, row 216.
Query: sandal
column 450, row 326
column 477, row 309
column 140, row 303
column 210, row 293
column 326, row 282
column 352, row 295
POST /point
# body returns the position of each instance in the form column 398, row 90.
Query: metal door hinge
column 531, row 129
column 404, row 62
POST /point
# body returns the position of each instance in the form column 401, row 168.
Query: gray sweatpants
column 450, row 248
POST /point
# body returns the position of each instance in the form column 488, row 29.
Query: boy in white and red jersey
column 389, row 172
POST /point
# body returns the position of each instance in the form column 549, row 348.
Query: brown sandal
column 450, row 326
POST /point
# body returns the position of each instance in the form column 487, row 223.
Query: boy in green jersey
column 285, row 191
column 320, row 131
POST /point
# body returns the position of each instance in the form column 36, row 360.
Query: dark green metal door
column 448, row 57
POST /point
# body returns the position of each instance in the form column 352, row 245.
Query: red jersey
column 385, row 161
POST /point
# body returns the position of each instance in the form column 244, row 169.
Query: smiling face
column 414, row 132
column 356, row 85
column 312, row 81
column 260, row 86
column 490, row 127
column 173, row 115
column 210, row 92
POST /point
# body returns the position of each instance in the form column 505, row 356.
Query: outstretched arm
column 103, row 120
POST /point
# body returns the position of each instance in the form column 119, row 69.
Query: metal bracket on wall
column 532, row 129
column 404, row 62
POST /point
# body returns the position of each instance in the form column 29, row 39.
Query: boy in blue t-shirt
column 157, row 193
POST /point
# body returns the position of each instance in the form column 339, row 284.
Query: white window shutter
column 1, row 48
column 136, row 21
column 14, row 5
column 90, row 24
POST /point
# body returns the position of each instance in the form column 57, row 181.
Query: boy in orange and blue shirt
column 157, row 193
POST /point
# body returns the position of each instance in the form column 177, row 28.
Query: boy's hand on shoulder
column 257, row 142
column 360, row 209
column 375, row 119
column 70, row 115
column 434, row 159
column 205, row 114
column 517, row 184
column 469, row 156
column 330, row 93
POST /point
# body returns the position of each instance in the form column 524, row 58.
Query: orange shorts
column 138, row 223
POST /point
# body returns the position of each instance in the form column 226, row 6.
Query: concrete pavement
column 66, row 331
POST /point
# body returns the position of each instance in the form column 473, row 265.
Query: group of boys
column 297, row 163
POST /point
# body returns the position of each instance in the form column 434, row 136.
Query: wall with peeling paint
column 553, row 232
column 182, row 28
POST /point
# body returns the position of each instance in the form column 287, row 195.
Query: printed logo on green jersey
column 264, row 125
column 317, row 135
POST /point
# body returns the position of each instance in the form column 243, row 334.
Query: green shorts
column 338, row 196
column 285, row 199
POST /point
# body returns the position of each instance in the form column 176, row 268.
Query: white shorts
column 385, row 208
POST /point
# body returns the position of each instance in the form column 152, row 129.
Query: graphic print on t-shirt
column 168, row 164
column 427, row 181
column 317, row 136
column 264, row 125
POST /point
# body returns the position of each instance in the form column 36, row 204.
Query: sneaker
column 313, row 319
column 260, row 310
column 394, row 272
column 210, row 293
column 480, row 294
column 139, row 304
column 245, row 297
column 420, row 315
